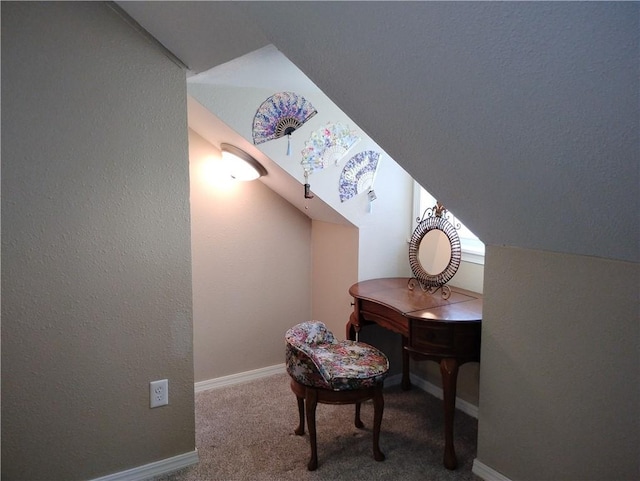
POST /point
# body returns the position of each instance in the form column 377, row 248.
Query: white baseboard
column 148, row 471
column 485, row 472
column 169, row 465
column 239, row 378
column 461, row 404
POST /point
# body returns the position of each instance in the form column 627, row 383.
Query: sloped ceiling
column 522, row 117
column 215, row 131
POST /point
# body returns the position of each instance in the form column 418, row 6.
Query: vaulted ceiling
column 521, row 116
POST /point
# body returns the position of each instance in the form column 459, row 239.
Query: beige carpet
column 245, row 432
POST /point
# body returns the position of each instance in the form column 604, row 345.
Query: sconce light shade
column 241, row 165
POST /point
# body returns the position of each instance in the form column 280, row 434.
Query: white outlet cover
column 159, row 393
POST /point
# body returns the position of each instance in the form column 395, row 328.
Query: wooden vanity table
column 433, row 328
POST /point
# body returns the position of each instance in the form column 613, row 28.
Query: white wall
column 384, row 251
column 96, row 267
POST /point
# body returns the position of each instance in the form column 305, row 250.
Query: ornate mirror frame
column 435, row 218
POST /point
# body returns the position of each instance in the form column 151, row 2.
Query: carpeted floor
column 245, row 432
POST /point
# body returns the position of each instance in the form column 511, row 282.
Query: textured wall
column 523, row 118
column 96, row 277
column 251, row 255
column 503, row 110
column 560, row 367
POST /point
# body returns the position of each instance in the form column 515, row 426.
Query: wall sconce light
column 241, row 165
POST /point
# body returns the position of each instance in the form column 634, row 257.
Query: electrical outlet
column 159, row 393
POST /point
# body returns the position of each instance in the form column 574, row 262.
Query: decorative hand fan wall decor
column 358, row 174
column 327, row 145
column 281, row 114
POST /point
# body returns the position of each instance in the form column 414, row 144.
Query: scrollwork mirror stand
column 439, row 221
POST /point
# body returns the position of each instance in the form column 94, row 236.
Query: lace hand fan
column 281, row 114
column 327, row 145
column 358, row 174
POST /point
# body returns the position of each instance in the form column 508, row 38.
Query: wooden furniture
column 443, row 330
column 325, row 370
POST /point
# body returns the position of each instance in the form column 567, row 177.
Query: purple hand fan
column 280, row 115
column 358, row 174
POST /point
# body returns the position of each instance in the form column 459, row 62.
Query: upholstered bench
column 325, row 370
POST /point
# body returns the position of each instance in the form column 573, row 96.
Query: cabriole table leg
column 449, row 371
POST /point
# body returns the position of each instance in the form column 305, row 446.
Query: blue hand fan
column 281, row 114
column 358, row 174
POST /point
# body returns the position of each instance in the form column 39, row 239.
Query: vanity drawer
column 431, row 338
column 385, row 317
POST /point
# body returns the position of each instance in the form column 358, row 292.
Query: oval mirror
column 434, row 250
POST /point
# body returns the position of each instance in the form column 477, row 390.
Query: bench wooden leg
column 308, row 399
column 378, row 409
column 300, row 429
column 359, row 424
column 311, row 402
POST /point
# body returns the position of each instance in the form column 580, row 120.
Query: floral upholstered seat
column 325, row 370
column 315, row 358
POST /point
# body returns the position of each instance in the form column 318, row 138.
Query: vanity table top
column 394, row 293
